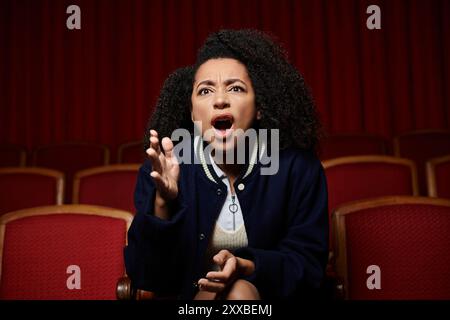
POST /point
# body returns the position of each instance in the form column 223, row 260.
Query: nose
column 221, row 101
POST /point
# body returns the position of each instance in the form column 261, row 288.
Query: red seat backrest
column 131, row 152
column 407, row 238
column 438, row 177
column 12, row 156
column 420, row 147
column 70, row 158
column 111, row 186
column 29, row 187
column 359, row 177
column 342, row 145
column 41, row 245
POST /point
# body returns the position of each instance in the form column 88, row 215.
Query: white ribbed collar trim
column 201, row 155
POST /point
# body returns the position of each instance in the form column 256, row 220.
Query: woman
column 217, row 228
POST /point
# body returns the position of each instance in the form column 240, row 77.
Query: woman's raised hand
column 166, row 169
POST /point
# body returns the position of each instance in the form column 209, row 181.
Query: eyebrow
column 226, row 82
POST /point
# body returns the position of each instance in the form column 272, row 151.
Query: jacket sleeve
column 298, row 262
column 151, row 253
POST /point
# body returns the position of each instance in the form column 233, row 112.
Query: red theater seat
column 361, row 177
column 12, row 156
column 62, row 252
column 111, row 186
column 420, row 146
column 70, row 158
column 131, row 152
column 22, row 187
column 394, row 248
column 438, row 177
column 342, row 145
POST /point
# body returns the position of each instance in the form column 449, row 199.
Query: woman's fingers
column 167, row 145
column 228, row 265
column 212, row 286
column 155, row 160
column 230, row 269
column 221, row 257
column 154, row 144
column 217, row 276
column 159, row 181
column 217, row 281
column 227, row 273
column 165, row 171
column 154, row 141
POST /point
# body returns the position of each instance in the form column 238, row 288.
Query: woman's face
column 223, row 100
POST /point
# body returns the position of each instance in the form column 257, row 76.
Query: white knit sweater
column 222, row 239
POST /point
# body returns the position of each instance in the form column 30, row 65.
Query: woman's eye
column 203, row 91
column 237, row 89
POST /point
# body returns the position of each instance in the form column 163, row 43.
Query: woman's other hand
column 231, row 268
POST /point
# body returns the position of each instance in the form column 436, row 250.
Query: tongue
column 222, row 131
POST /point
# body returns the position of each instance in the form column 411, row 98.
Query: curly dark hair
column 173, row 108
column 281, row 95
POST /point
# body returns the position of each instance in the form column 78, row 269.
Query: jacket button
column 241, row 186
column 201, row 236
column 219, row 192
column 195, row 284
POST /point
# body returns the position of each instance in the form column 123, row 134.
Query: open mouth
column 222, row 124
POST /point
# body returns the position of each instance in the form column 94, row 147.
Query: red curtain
column 100, row 83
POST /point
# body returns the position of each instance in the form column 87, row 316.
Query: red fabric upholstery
column 38, row 250
column 131, row 153
column 70, row 158
column 111, row 188
column 442, row 176
column 421, row 147
column 24, row 190
column 349, row 145
column 354, row 181
column 410, row 244
column 12, row 156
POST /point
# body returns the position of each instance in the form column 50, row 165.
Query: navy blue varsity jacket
column 285, row 217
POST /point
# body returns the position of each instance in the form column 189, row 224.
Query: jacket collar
column 207, row 166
